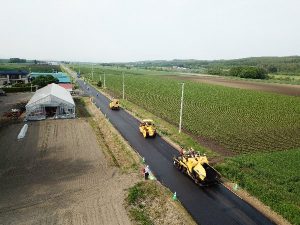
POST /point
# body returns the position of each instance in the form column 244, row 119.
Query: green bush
column 248, row 72
column 43, row 81
column 21, row 85
column 99, row 84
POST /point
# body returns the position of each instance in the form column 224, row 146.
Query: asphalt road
column 208, row 205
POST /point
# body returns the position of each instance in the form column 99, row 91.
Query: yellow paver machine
column 197, row 167
column 147, row 128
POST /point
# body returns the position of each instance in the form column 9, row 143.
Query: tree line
column 289, row 65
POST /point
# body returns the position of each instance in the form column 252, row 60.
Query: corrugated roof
column 69, row 87
column 62, row 77
column 14, row 72
column 45, row 95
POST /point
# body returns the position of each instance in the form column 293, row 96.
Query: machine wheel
column 145, row 134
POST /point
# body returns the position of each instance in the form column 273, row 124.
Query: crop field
column 43, row 68
column 241, row 121
column 273, row 178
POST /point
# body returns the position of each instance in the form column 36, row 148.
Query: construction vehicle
column 114, row 104
column 197, row 167
column 147, row 128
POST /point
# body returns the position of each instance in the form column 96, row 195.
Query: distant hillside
column 281, row 65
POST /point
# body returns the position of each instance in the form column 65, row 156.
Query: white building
column 51, row 101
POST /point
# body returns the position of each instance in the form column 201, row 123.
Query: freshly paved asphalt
column 209, row 205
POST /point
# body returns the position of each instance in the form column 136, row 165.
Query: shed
column 51, row 101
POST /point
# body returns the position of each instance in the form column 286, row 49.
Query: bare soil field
column 58, row 175
column 285, row 89
column 7, row 102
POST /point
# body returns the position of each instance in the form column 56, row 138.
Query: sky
column 135, row 30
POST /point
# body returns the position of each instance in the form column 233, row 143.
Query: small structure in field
column 51, row 101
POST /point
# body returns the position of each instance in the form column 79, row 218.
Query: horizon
column 88, row 62
column 141, row 30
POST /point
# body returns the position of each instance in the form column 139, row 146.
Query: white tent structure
column 51, row 101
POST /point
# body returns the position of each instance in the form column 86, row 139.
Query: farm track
column 214, row 205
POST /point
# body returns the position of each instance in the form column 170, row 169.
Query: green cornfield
column 272, row 177
column 242, row 121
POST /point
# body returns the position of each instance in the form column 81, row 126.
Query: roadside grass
column 148, row 203
column 272, row 177
column 81, row 109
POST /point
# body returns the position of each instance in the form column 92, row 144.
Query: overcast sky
column 132, row 30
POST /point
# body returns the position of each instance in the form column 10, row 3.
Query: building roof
column 68, row 87
column 52, row 93
column 14, row 72
column 62, row 77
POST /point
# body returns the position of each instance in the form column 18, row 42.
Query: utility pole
column 181, row 107
column 104, row 80
column 92, row 72
column 123, row 86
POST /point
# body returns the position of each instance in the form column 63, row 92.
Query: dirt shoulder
column 285, row 89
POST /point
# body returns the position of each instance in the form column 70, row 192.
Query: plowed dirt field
column 58, row 175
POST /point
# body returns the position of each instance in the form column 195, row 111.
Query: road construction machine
column 114, row 104
column 147, row 128
column 197, row 167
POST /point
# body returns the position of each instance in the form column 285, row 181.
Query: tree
column 272, row 69
column 99, row 84
column 43, row 81
column 248, row 72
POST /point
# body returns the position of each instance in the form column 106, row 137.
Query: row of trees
column 284, row 65
column 17, row 60
column 248, row 72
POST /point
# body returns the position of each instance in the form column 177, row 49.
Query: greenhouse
column 51, row 101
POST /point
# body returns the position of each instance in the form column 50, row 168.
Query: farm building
column 51, row 101
column 13, row 76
